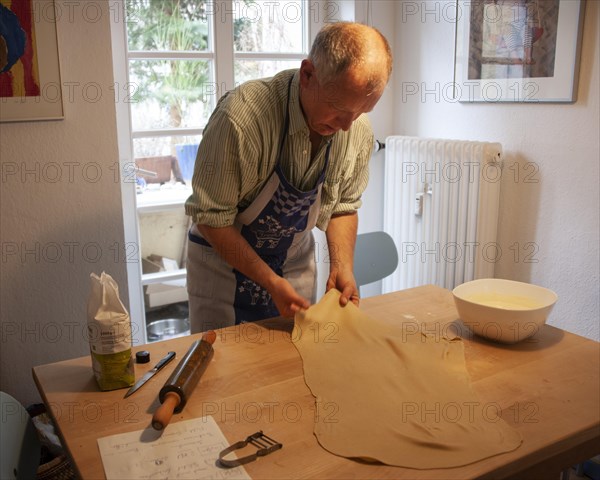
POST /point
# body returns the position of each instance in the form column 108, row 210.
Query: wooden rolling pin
column 174, row 394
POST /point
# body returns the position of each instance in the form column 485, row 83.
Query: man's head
column 344, row 76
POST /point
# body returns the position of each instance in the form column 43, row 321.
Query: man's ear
column 307, row 72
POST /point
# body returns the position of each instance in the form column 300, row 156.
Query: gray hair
column 341, row 46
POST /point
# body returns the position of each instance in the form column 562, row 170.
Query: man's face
column 331, row 107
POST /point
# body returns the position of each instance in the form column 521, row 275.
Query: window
column 174, row 47
column 268, row 37
column 181, row 56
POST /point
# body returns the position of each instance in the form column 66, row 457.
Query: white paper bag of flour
column 109, row 330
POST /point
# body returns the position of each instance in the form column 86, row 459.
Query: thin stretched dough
column 393, row 396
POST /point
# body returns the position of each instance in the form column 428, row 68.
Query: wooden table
column 547, row 388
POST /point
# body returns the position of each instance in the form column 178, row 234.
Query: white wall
column 62, row 220
column 551, row 224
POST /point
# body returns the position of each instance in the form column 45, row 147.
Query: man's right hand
column 285, row 298
column 235, row 250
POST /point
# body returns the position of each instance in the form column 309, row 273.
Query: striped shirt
column 239, row 150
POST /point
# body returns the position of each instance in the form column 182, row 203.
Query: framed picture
column 30, row 85
column 517, row 50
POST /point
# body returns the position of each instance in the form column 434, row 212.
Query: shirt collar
column 297, row 121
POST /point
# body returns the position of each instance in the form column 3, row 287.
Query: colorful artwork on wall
column 19, row 75
column 30, row 87
column 517, row 50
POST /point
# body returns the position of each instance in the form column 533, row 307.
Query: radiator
column 441, row 205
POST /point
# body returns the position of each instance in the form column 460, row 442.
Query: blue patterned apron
column 277, row 225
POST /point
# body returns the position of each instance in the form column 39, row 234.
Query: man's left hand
column 345, row 283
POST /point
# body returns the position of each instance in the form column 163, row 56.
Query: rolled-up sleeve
column 353, row 184
column 348, row 172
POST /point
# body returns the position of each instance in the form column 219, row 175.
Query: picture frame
column 517, row 50
column 30, row 84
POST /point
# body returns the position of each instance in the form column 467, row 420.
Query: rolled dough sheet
column 401, row 399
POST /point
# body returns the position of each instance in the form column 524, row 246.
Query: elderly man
column 278, row 157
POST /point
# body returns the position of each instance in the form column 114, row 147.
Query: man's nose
column 344, row 122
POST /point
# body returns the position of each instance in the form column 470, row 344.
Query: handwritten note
column 187, row 449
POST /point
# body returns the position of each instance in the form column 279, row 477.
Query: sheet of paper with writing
column 186, row 449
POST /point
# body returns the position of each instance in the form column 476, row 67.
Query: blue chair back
column 375, row 257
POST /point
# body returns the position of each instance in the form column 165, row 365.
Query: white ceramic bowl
column 503, row 310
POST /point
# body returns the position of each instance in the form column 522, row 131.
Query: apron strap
column 286, row 123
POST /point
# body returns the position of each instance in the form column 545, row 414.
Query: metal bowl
column 168, row 328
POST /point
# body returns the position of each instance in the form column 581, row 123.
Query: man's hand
column 341, row 238
column 285, row 298
column 344, row 281
column 234, row 249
